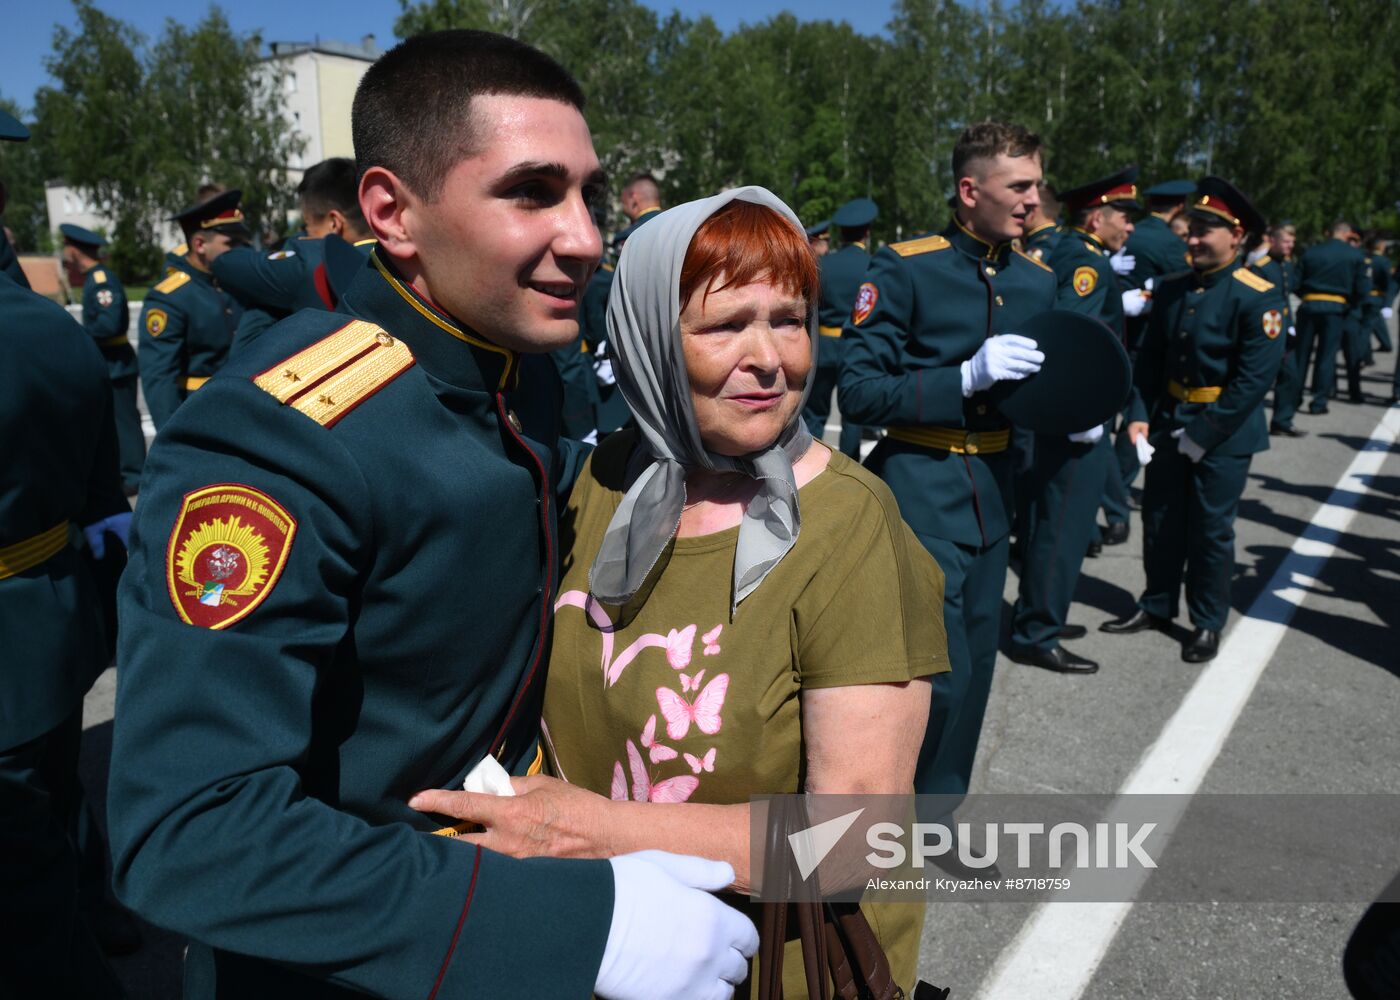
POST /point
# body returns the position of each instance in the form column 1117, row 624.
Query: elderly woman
column 742, row 610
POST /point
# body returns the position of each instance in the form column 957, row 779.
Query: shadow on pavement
column 154, row 972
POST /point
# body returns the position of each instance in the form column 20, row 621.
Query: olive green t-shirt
column 668, row 699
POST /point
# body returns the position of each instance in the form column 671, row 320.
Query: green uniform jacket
column 611, row 410
column 1378, row 292
column 1280, row 274
column 60, row 465
column 260, row 771
column 1332, row 267
column 1221, row 328
column 925, row 307
column 106, row 319
column 1040, row 243
column 9, row 263
column 1157, row 251
column 292, row 278
column 841, row 275
column 187, row 326
column 1086, row 281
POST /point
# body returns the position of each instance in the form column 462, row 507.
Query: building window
column 291, row 83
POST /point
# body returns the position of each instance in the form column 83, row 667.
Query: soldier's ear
column 388, row 204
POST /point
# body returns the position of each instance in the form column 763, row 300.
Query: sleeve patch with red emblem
column 1273, row 323
column 1085, row 278
column 156, row 320
column 227, row 549
column 865, row 302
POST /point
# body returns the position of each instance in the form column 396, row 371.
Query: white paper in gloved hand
column 488, row 778
column 1144, row 450
column 1187, row 447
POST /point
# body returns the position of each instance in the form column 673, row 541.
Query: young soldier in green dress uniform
column 60, row 483
column 106, row 319
column 1068, row 472
column 1331, row 281
column 1042, row 226
column 188, row 321
column 819, row 238
column 1152, row 252
column 1377, row 297
column 272, row 286
column 1278, row 267
column 341, row 588
column 932, row 330
column 1210, row 354
column 841, row 274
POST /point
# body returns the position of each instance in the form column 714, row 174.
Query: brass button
column 384, row 339
column 999, row 301
column 981, row 409
column 973, row 441
column 991, row 271
column 514, row 421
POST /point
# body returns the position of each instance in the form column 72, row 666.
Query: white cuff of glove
column 1387, row 312
column 1088, row 437
column 1144, row 450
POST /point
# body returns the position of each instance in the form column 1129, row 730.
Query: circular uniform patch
column 1085, row 278
column 866, row 298
column 1273, row 323
column 227, row 549
column 156, row 320
column 104, row 296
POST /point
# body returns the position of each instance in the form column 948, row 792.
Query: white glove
column 669, row 937
column 602, row 366
column 1387, row 312
column 1136, row 302
column 1144, row 450
column 1007, row 357
column 1187, row 447
column 117, row 524
column 1089, row 436
column 1122, row 262
column 1147, row 285
column 1257, row 254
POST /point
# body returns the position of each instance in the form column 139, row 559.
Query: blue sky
column 28, row 26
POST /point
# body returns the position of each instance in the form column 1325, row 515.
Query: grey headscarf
column 645, row 337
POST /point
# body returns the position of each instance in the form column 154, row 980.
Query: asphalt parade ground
column 1303, row 698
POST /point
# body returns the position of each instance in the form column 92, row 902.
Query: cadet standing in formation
column 1374, row 312
column 1042, row 228
column 932, row 330
column 188, row 321
column 106, row 319
column 1275, row 265
column 284, row 688
column 841, row 274
column 61, row 488
column 1152, row 252
column 819, row 238
column 1068, row 472
column 1332, row 280
column 1210, row 354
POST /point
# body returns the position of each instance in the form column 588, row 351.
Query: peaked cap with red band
column 1119, row 191
column 1217, row 200
column 220, row 214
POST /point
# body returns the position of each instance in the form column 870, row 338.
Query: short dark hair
column 332, row 184
column 642, row 177
column 412, row 110
column 988, row 140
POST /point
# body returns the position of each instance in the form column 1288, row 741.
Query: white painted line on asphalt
column 1059, row 948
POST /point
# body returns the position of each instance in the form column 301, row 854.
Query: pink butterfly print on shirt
column 711, row 640
column 676, row 789
column 689, row 683
column 679, row 646
column 704, row 711
column 705, row 763
column 657, row 751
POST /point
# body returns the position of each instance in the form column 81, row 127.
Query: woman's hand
column 545, row 818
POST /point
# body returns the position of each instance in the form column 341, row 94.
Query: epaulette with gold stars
column 1035, row 260
column 925, row 244
column 1253, row 280
column 337, row 373
column 172, row 281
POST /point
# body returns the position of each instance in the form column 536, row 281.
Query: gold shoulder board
column 1036, row 261
column 172, row 281
column 926, row 244
column 1253, row 280
column 337, row 373
column 99, row 276
column 1262, row 260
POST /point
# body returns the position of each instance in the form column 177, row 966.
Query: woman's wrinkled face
column 748, row 355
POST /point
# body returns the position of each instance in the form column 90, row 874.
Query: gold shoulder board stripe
column 337, row 373
column 99, row 276
column 1262, row 260
column 172, row 281
column 926, row 244
column 1253, row 280
column 1037, row 262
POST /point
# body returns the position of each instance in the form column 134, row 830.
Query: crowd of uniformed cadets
column 919, row 341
